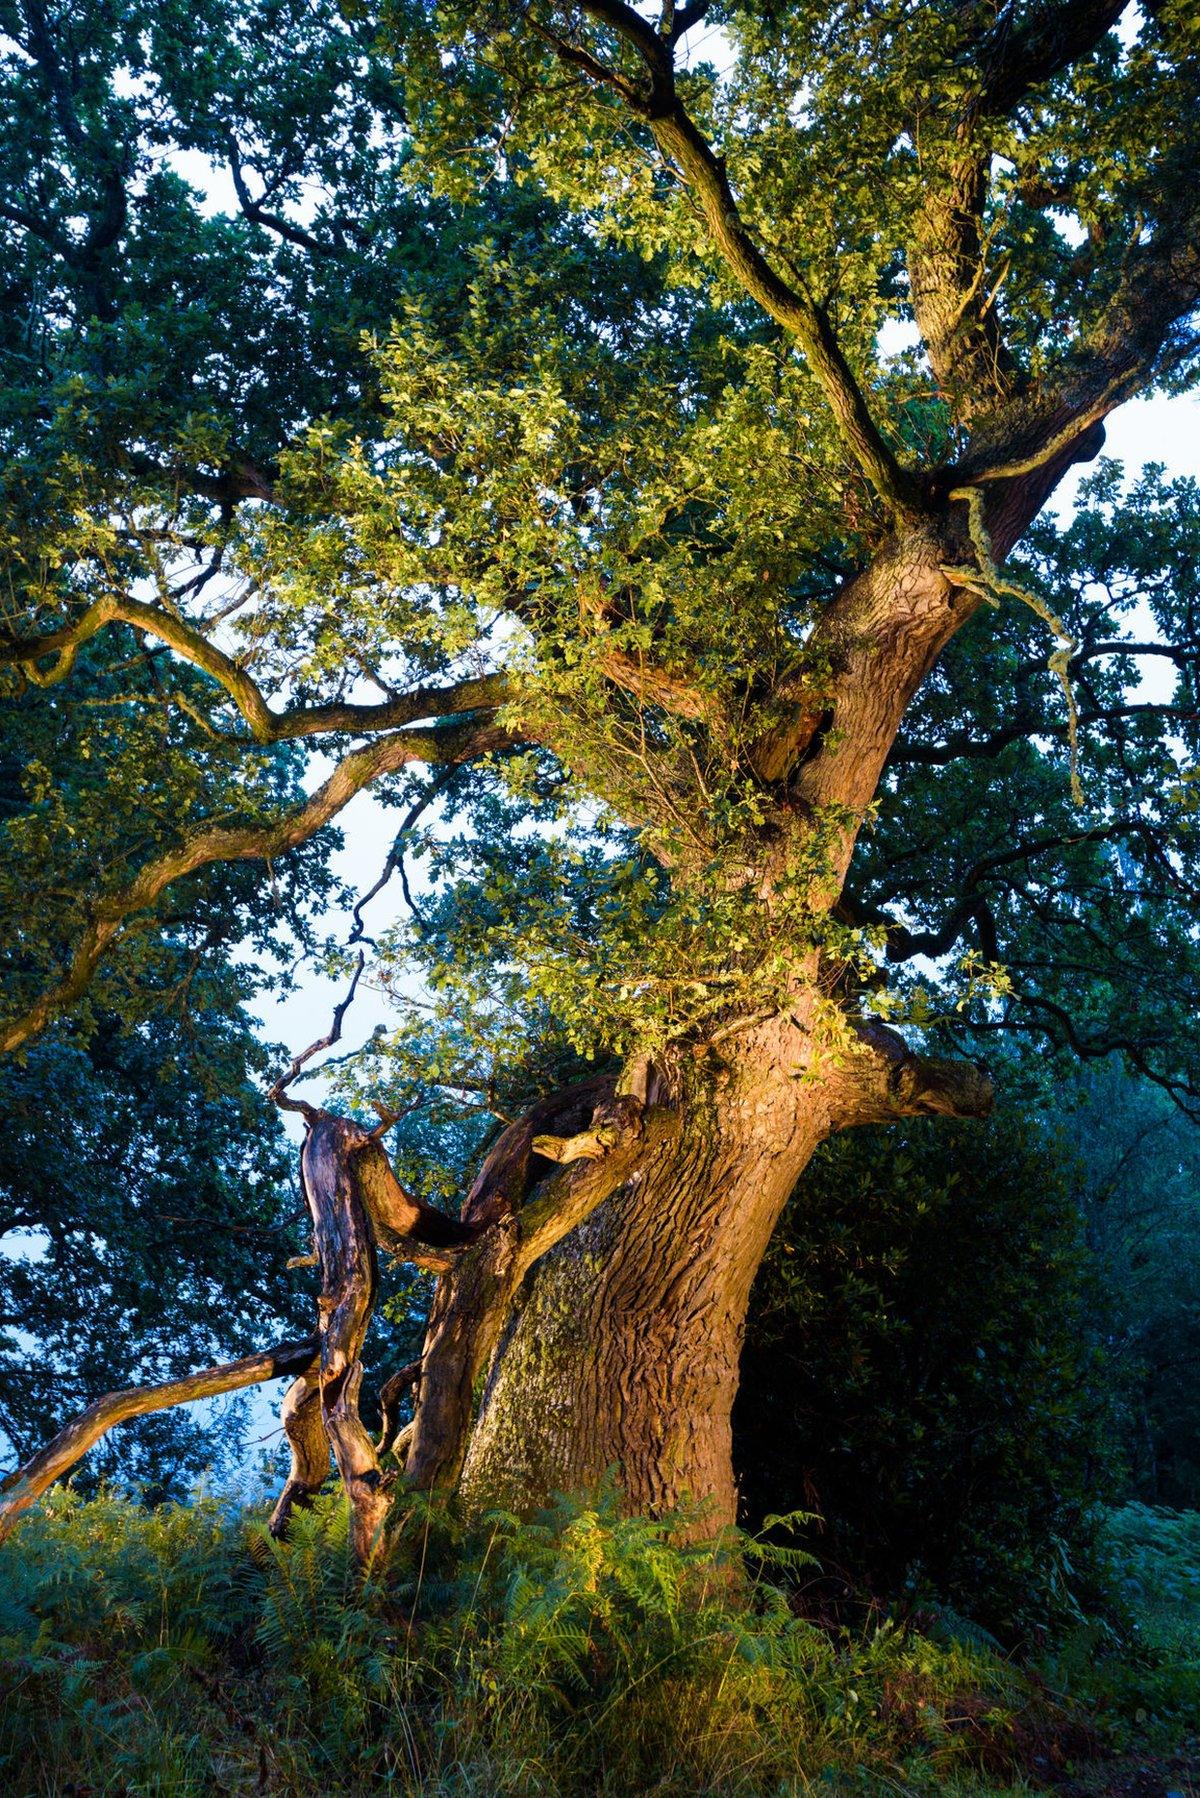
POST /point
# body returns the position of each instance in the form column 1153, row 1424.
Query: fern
column 184, row 1651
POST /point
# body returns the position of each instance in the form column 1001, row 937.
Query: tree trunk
column 622, row 1350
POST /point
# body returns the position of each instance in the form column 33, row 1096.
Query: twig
column 277, row 1091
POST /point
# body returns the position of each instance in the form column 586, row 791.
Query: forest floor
column 180, row 1652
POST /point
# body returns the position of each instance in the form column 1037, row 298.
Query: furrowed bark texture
column 621, row 1349
column 521, row 1216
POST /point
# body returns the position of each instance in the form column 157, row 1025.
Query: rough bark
column 522, row 1215
column 621, row 1349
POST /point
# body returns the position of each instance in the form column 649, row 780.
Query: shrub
column 920, row 1371
column 179, row 1651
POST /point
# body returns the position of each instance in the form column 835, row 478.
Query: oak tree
column 623, row 433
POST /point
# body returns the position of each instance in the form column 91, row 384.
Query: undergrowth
column 181, row 1650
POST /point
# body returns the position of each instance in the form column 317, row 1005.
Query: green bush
column 1142, row 1686
column 920, row 1370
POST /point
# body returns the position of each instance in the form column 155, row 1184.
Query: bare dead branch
column 19, row 1490
column 277, row 1091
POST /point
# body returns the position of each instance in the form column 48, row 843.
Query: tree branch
column 685, row 145
column 478, row 693
column 1014, row 58
column 903, row 943
column 885, row 1080
column 939, row 755
column 20, row 1489
column 459, row 742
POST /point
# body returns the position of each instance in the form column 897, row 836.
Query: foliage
column 383, row 344
column 1138, row 1187
column 148, row 1211
column 147, row 1199
column 1153, row 1576
column 923, row 1369
column 179, row 1648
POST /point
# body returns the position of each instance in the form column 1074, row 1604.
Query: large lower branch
column 484, row 692
column 20, row 1489
column 884, row 1080
column 459, row 742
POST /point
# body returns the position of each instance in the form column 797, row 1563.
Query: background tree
column 633, row 480
column 1138, row 1195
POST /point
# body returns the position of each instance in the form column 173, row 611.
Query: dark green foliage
column 1139, row 1195
column 920, row 1370
column 979, row 847
column 182, row 1651
column 1150, row 1694
column 148, row 1207
column 148, row 1200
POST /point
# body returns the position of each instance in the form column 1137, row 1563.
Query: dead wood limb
column 355, row 1202
column 345, row 1247
column 304, row 1426
column 20, row 1489
column 391, row 1395
column 403, row 1224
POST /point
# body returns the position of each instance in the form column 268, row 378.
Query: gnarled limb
column 455, row 742
column 477, row 693
column 308, row 1439
column 349, row 1278
column 884, row 1080
column 354, row 1200
column 19, row 1489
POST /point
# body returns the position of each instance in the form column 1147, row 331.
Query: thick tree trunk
column 621, row 1351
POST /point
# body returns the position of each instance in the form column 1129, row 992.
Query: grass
column 181, row 1651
